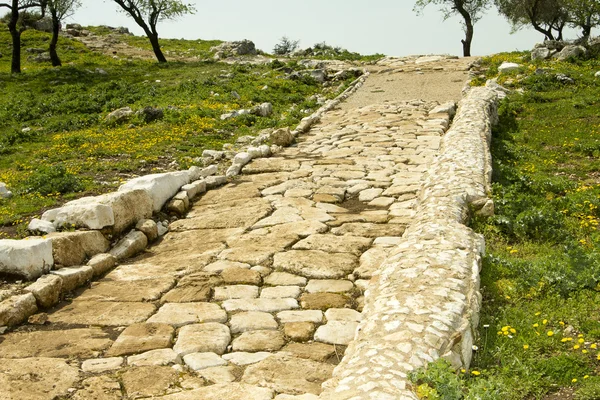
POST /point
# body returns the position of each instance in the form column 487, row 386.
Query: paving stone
column 286, row 374
column 328, row 286
column 84, row 343
column 369, row 229
column 244, row 358
column 343, row 314
column 155, row 357
column 193, row 288
column 334, row 244
column 324, row 301
column 253, row 341
column 198, row 361
column 315, row 263
column 139, row 290
column 229, row 391
column 36, row 378
column 370, row 261
column 73, row 277
column 231, row 192
column 313, row 351
column 299, row 331
column 235, row 275
column 284, row 279
column 336, row 332
column 139, row 338
column 369, row 194
column 202, row 338
column 99, row 388
column 264, row 305
column 257, row 248
column 220, row 265
column 315, row 316
column 102, row 313
column 382, row 201
column 102, row 364
column 263, row 271
column 272, row 164
column 280, row 292
column 305, row 396
column 149, row 381
column 179, row 314
column 226, row 215
column 252, row 321
column 235, row 292
column 280, row 216
column 218, row 374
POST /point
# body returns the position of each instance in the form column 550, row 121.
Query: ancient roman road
column 256, row 293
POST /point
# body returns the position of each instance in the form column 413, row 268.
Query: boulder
column 541, row 53
column 160, row 187
column 150, row 114
column 507, row 67
column 74, row 248
column 238, row 48
column 17, row 309
column 46, row 290
column 282, row 137
column 4, row 192
column 26, row 258
column 130, row 245
column 118, row 210
column 38, row 225
column 149, row 228
column 263, row 110
column 73, row 277
column 571, row 51
column 119, row 115
column 597, row 74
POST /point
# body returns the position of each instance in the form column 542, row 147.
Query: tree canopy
column 471, row 11
column 148, row 13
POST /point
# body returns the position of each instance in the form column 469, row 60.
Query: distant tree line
column 548, row 17
column 23, row 14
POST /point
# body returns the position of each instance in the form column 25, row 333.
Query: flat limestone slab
column 316, row 264
column 180, row 314
column 287, row 374
column 238, row 214
column 335, row 244
column 102, row 313
column 229, row 391
column 139, row 338
column 82, row 343
column 370, row 230
column 272, row 164
column 139, row 290
column 35, row 378
column 264, row 305
column 203, row 338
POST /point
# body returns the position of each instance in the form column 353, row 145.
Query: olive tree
column 147, row 14
column 471, row 11
column 583, row 14
column 16, row 25
column 548, row 17
column 59, row 10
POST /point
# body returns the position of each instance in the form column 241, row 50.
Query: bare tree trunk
column 466, row 42
column 54, row 41
column 15, row 33
column 153, row 37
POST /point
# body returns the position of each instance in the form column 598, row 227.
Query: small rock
column 263, row 110
column 506, row 67
column 299, row 331
column 101, row 364
column 37, row 225
column 252, row 321
column 4, row 192
column 149, row 228
column 38, row 319
column 119, row 115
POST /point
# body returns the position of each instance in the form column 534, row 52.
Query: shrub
column 285, row 46
column 54, row 179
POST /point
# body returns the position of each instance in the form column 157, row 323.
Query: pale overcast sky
column 377, row 26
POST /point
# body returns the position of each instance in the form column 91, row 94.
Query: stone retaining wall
column 56, row 260
column 424, row 301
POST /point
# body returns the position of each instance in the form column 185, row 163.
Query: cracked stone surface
column 258, row 290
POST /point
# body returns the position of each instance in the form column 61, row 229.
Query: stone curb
column 424, row 301
column 244, row 157
column 111, row 214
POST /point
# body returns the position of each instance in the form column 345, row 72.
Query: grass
column 540, row 322
column 53, row 126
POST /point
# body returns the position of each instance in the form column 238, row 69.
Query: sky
column 376, row 26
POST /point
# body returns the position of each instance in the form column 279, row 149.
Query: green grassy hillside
column 56, row 145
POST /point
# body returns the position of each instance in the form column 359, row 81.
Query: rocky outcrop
column 233, row 49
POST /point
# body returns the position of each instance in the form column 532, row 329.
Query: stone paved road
column 255, row 294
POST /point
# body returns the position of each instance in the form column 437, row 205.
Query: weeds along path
column 258, row 291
